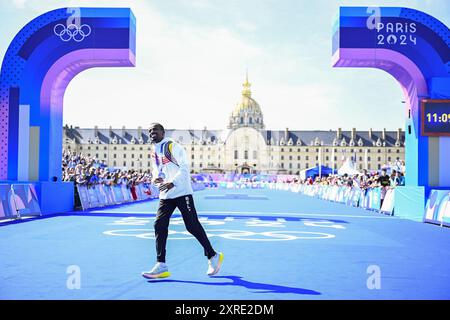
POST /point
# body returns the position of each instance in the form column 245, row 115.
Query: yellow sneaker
column 214, row 264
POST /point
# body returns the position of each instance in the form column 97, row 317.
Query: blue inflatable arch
column 38, row 66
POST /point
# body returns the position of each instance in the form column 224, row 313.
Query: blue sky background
column 191, row 62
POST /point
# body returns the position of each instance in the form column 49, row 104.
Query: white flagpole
column 320, row 162
column 332, row 160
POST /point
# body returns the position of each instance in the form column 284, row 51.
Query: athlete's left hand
column 166, row 186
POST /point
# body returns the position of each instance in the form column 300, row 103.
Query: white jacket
column 179, row 174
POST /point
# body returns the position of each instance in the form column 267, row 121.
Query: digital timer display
column 435, row 117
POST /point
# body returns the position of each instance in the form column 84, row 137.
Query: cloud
column 20, row 4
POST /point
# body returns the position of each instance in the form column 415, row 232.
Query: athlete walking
column 172, row 176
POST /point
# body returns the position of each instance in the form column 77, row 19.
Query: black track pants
column 186, row 206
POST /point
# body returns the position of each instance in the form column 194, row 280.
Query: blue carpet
column 287, row 247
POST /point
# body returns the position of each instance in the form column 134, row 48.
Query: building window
column 282, row 149
column 192, row 157
column 307, row 165
column 290, row 165
column 81, row 148
column 360, row 158
column 389, row 150
column 200, row 165
column 250, row 120
column 89, row 148
column 290, row 157
column 389, row 158
column 379, row 166
column 290, row 149
column 114, row 156
column 317, row 158
column 235, row 154
column 306, row 150
column 282, row 157
column 124, row 155
column 298, row 165
column 115, row 148
column 104, row 148
column 96, row 148
column 124, row 163
column 148, row 164
column 379, row 150
column 140, row 156
column 368, row 158
column 192, row 164
column 149, row 156
column 282, row 165
column 327, row 158
column 306, row 157
column 245, row 154
column 124, row 148
column 298, row 158
column 201, row 156
column 398, row 151
column 132, row 156
column 379, row 158
column 132, row 163
column 242, row 120
column 105, row 155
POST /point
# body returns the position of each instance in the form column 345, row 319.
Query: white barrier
column 102, row 195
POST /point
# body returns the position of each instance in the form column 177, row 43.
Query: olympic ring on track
column 72, row 31
column 226, row 234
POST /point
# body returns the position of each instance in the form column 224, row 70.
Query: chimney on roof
column 399, row 134
column 286, row 135
column 383, row 134
column 123, row 131
column 354, row 134
column 339, row 133
column 370, row 133
column 139, row 132
column 96, row 131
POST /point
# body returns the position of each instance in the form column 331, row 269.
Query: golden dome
column 247, row 103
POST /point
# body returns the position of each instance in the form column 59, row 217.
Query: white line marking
column 264, row 213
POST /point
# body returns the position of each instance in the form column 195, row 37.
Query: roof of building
column 275, row 137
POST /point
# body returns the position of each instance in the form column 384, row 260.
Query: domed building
column 245, row 146
column 247, row 112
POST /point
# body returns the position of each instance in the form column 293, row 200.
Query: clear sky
column 192, row 56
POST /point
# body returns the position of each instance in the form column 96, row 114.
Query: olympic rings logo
column 226, row 234
column 72, row 31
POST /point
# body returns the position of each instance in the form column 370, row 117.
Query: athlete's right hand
column 158, row 180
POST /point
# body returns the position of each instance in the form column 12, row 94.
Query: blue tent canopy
column 312, row 172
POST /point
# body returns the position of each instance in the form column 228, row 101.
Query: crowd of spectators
column 89, row 171
column 363, row 180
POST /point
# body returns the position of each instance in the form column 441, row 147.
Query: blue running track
column 277, row 245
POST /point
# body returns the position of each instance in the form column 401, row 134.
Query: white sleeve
column 183, row 167
column 155, row 172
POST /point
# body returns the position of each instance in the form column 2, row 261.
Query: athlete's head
column 156, row 132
